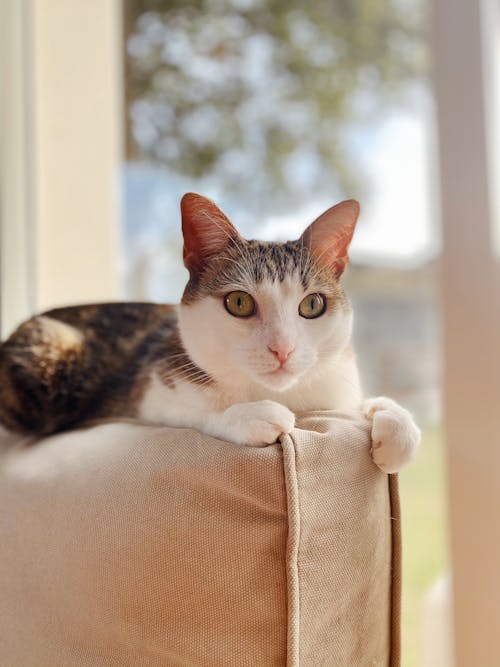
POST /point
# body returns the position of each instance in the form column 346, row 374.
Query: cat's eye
column 313, row 305
column 239, row 304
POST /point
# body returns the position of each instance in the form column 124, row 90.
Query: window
column 278, row 113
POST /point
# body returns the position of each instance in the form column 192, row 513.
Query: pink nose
column 281, row 352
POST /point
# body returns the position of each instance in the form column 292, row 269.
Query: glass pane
column 277, row 110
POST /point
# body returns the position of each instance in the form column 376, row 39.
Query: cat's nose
column 281, row 352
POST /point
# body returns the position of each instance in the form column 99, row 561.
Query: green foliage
column 262, row 94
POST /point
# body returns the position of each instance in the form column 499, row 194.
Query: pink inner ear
column 206, row 230
column 330, row 235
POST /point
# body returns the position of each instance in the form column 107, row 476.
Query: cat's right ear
column 329, row 236
column 206, row 230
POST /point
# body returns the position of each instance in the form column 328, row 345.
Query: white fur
column 255, row 423
column 395, row 436
column 179, row 407
column 258, row 424
column 236, row 351
column 252, row 400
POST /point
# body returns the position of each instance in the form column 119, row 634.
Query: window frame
column 16, row 174
column 60, row 154
column 465, row 47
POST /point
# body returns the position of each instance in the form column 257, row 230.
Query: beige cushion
column 129, row 545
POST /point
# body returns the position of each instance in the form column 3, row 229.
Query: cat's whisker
column 179, row 362
column 190, row 376
column 188, row 364
column 183, row 370
column 301, row 258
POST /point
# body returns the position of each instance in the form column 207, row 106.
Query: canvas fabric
column 124, row 545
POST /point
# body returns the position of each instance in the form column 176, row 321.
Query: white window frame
column 60, row 153
column 16, row 177
column 466, row 72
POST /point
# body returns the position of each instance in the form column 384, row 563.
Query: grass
column 422, row 488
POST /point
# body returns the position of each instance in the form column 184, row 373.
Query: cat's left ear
column 206, row 229
column 329, row 236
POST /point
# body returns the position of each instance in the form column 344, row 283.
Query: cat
column 262, row 332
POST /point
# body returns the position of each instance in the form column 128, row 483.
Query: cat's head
column 262, row 312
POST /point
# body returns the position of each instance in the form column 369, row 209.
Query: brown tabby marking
column 84, row 362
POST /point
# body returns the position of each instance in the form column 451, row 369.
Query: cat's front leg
column 395, row 436
column 256, row 424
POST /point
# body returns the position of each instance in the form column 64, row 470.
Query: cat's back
column 118, row 324
column 55, row 368
column 125, row 322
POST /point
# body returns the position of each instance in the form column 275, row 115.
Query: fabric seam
column 292, row 551
column 396, row 571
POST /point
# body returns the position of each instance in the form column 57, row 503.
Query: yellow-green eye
column 313, row 305
column 239, row 304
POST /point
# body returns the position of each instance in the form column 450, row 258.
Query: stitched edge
column 396, row 568
column 292, row 551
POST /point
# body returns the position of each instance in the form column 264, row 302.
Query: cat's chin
column 277, row 381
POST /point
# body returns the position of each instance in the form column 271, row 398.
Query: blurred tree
column 261, row 94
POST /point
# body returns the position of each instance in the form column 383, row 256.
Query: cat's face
column 264, row 312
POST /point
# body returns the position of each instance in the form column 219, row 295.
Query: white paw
column 256, row 424
column 395, row 436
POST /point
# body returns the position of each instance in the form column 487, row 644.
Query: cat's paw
column 395, row 436
column 257, row 424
